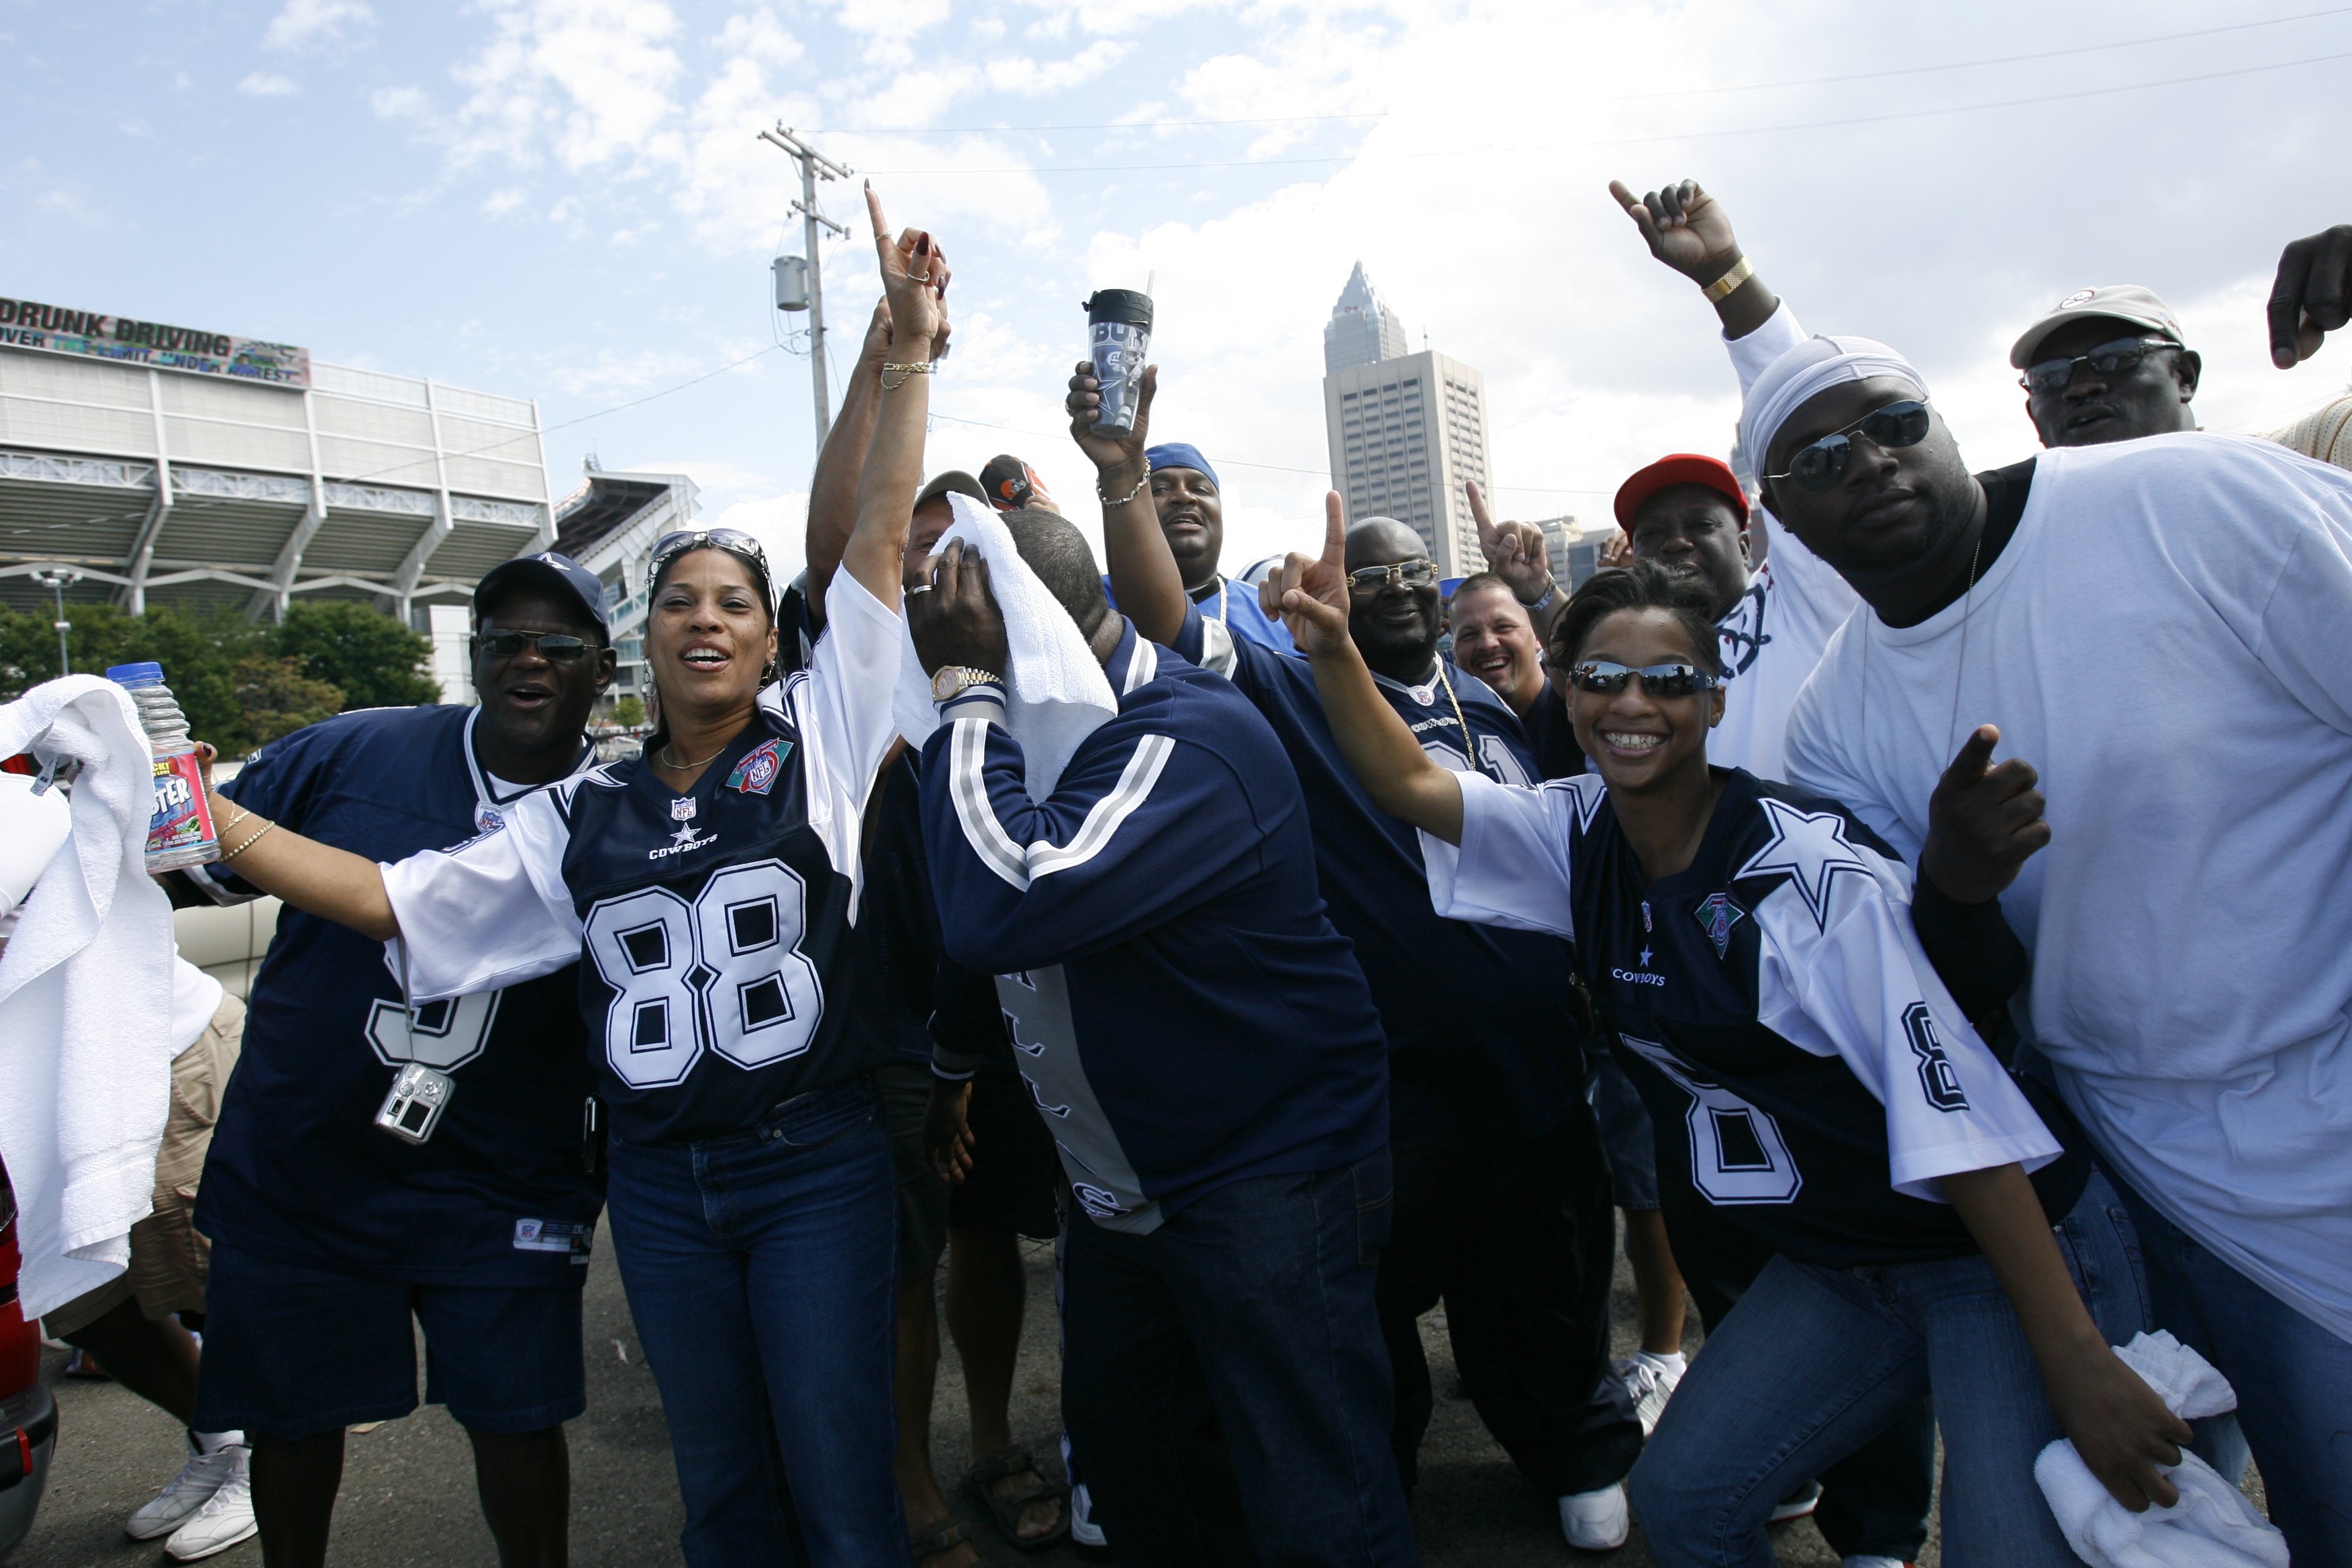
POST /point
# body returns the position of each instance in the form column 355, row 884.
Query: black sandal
column 945, row 1538
column 978, row 1484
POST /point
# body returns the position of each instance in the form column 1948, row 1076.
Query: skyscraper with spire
column 1406, row 430
column 1362, row 331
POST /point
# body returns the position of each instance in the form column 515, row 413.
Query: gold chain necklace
column 676, row 766
column 1469, row 742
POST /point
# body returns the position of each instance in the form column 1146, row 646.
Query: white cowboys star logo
column 684, row 838
column 1812, row 847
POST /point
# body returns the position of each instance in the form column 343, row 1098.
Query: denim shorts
column 291, row 1350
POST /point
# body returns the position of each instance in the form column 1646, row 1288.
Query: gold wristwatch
column 951, row 681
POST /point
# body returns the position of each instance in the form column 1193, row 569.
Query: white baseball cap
column 2123, row 301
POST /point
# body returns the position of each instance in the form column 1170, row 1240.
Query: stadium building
column 153, row 463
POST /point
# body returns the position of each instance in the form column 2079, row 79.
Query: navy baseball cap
column 546, row 569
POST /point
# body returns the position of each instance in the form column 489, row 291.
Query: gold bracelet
column 249, row 842
column 240, row 812
column 903, row 372
column 1130, row 496
column 1723, row 287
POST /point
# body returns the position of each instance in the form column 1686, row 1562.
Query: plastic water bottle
column 182, row 831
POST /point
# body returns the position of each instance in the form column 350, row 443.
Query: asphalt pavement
column 408, row 1485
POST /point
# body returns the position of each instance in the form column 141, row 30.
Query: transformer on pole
column 800, row 283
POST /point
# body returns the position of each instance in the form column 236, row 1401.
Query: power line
column 1990, row 60
column 1104, row 125
column 1644, row 141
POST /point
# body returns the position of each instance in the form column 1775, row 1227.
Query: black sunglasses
column 556, row 647
column 2049, row 375
column 1371, row 579
column 1604, row 677
column 1819, row 464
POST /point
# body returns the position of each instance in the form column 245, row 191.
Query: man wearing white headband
column 2192, row 987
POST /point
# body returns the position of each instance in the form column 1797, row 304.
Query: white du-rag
column 85, row 1002
column 1056, row 694
column 1805, row 372
column 2212, row 1525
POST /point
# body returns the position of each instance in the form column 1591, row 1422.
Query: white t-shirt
column 2164, row 639
column 1774, row 636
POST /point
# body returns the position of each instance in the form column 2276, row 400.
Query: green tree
column 275, row 697
column 199, row 655
column 371, row 658
column 629, row 712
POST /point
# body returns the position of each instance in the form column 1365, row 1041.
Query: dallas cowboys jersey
column 711, row 927
column 1182, row 1009
column 499, row 1194
column 1798, row 1055
column 1462, row 1005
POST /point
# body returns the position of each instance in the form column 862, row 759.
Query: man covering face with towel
column 1198, row 1040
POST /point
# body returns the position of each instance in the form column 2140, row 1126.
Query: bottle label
column 182, row 820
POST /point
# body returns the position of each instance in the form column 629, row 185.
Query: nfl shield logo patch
column 1716, row 915
column 756, row 774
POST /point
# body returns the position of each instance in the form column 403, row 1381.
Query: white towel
column 2212, row 1525
column 85, row 1003
column 1057, row 692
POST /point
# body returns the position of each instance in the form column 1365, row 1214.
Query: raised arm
column 1689, row 231
column 1517, row 554
column 833, row 488
column 1311, row 597
column 2312, row 295
column 1143, row 576
column 914, row 271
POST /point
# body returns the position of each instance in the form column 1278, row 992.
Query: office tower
column 1406, row 434
column 1361, row 330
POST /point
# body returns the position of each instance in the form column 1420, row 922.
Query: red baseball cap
column 1680, row 468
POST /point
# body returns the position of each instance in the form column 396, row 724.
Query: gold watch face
column 946, row 683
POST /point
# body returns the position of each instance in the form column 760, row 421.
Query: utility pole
column 57, row 583
column 814, row 166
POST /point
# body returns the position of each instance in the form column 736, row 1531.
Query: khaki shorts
column 168, row 1258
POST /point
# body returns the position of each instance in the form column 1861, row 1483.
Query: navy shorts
column 291, row 1350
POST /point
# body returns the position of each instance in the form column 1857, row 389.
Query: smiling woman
column 704, row 891
column 1752, row 948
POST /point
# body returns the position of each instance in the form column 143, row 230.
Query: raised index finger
column 1335, row 532
column 882, row 245
column 1975, row 752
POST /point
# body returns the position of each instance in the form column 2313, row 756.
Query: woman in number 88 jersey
column 706, row 890
column 1753, row 945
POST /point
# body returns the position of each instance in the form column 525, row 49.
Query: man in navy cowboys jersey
column 1204, row 1048
column 329, row 1235
column 1752, row 946
column 705, row 891
column 1503, row 1203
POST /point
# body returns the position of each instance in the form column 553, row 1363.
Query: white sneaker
column 1082, row 1528
column 198, row 1478
column 1596, row 1521
column 1797, row 1507
column 225, row 1518
column 1872, row 1561
column 1649, row 1384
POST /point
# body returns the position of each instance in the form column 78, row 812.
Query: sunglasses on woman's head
column 556, row 647
column 1605, row 677
column 1821, row 464
column 1371, row 579
column 734, row 541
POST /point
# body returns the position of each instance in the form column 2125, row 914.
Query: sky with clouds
column 566, row 200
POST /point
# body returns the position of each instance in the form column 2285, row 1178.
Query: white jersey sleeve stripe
column 968, row 787
column 1217, row 656
column 1134, row 786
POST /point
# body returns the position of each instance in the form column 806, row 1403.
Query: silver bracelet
column 1130, row 496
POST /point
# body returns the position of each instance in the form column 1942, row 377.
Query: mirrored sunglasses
column 2049, row 375
column 1604, row 678
column 1821, row 464
column 1370, row 579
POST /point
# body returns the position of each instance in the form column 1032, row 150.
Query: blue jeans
column 2293, row 1381
column 1224, row 1378
column 761, row 1270
column 1814, row 1361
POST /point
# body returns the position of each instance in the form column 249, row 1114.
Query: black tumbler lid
column 1129, row 305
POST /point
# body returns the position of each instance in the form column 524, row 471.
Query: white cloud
column 584, row 82
column 504, row 200
column 303, row 23
column 265, row 84
column 1036, row 78
column 398, row 103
